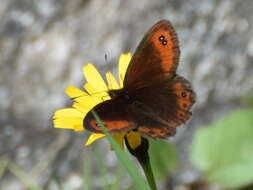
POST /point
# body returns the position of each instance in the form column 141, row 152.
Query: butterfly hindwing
column 170, row 101
column 157, row 132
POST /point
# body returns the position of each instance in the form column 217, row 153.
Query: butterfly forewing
column 114, row 116
column 156, row 57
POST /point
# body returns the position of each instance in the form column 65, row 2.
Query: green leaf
column 118, row 178
column 248, row 100
column 3, row 166
column 23, row 176
column 224, row 150
column 101, row 167
column 123, row 158
column 163, row 158
column 87, row 170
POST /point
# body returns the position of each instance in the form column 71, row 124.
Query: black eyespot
column 135, row 129
column 183, row 94
column 97, row 124
column 185, row 105
column 164, row 42
column 161, row 38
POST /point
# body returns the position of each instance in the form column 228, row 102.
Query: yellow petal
column 133, row 139
column 90, row 89
column 86, row 101
column 78, row 128
column 68, row 112
column 112, row 82
column 67, row 123
column 93, row 137
column 81, row 97
column 119, row 137
column 82, row 108
column 74, row 92
column 124, row 61
column 97, row 96
column 94, row 78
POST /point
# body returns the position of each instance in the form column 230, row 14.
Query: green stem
column 148, row 172
column 123, row 158
column 141, row 153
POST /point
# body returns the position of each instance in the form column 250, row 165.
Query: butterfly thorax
column 121, row 94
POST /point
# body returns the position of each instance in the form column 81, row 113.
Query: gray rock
column 44, row 44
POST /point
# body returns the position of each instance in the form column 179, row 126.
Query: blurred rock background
column 44, row 44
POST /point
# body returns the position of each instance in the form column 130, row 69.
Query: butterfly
column 154, row 100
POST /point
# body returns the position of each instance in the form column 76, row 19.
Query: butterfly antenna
column 106, row 61
column 109, row 79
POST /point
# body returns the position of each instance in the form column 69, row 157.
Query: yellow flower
column 97, row 91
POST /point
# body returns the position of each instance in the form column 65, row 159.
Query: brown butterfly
column 154, row 99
